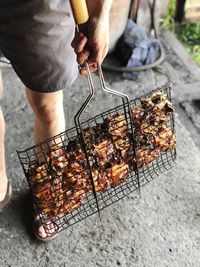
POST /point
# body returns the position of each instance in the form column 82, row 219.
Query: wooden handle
column 80, row 11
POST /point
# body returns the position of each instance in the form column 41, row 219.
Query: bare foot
column 3, row 187
column 44, row 232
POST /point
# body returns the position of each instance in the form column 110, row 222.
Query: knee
column 46, row 107
column 48, row 112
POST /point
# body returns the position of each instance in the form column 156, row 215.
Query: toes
column 41, row 232
column 50, row 228
column 45, row 230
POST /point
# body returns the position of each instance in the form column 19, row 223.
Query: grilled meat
column 61, row 184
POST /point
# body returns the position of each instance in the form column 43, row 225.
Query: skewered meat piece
column 159, row 113
column 68, row 207
column 122, row 145
column 112, row 177
column 38, row 174
column 112, row 145
column 117, row 174
column 47, row 196
column 146, row 134
column 156, row 104
column 74, row 180
column 145, row 156
column 137, row 114
column 165, row 139
column 152, row 133
column 163, row 106
column 151, row 118
column 51, row 200
column 100, row 179
column 57, row 159
column 152, row 100
column 116, row 125
column 104, row 152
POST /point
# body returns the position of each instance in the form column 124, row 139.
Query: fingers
column 98, row 53
column 94, row 56
column 83, row 56
column 94, row 60
column 79, row 42
column 92, row 69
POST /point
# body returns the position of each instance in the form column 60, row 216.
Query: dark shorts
column 36, row 36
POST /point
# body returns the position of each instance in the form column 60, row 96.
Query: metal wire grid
column 31, row 156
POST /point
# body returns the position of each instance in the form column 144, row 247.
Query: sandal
column 7, row 197
column 38, row 224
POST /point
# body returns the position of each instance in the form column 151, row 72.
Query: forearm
column 99, row 8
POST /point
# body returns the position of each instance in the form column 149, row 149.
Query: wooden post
column 179, row 13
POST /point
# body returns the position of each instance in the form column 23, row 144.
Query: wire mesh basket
column 101, row 160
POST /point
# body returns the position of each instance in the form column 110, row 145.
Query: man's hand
column 92, row 42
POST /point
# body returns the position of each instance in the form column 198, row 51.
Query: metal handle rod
column 125, row 98
column 84, row 105
column 107, row 89
column 80, row 12
column 80, row 131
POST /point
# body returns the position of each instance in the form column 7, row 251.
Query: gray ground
column 160, row 229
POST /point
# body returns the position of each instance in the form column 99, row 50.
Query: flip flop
column 38, row 224
column 7, row 197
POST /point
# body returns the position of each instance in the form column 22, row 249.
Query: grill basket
column 68, row 177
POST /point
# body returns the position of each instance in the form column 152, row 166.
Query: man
column 37, row 37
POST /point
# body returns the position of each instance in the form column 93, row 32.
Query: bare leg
column 3, row 176
column 49, row 114
column 49, row 119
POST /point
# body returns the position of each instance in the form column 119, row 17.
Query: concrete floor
column 162, row 228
